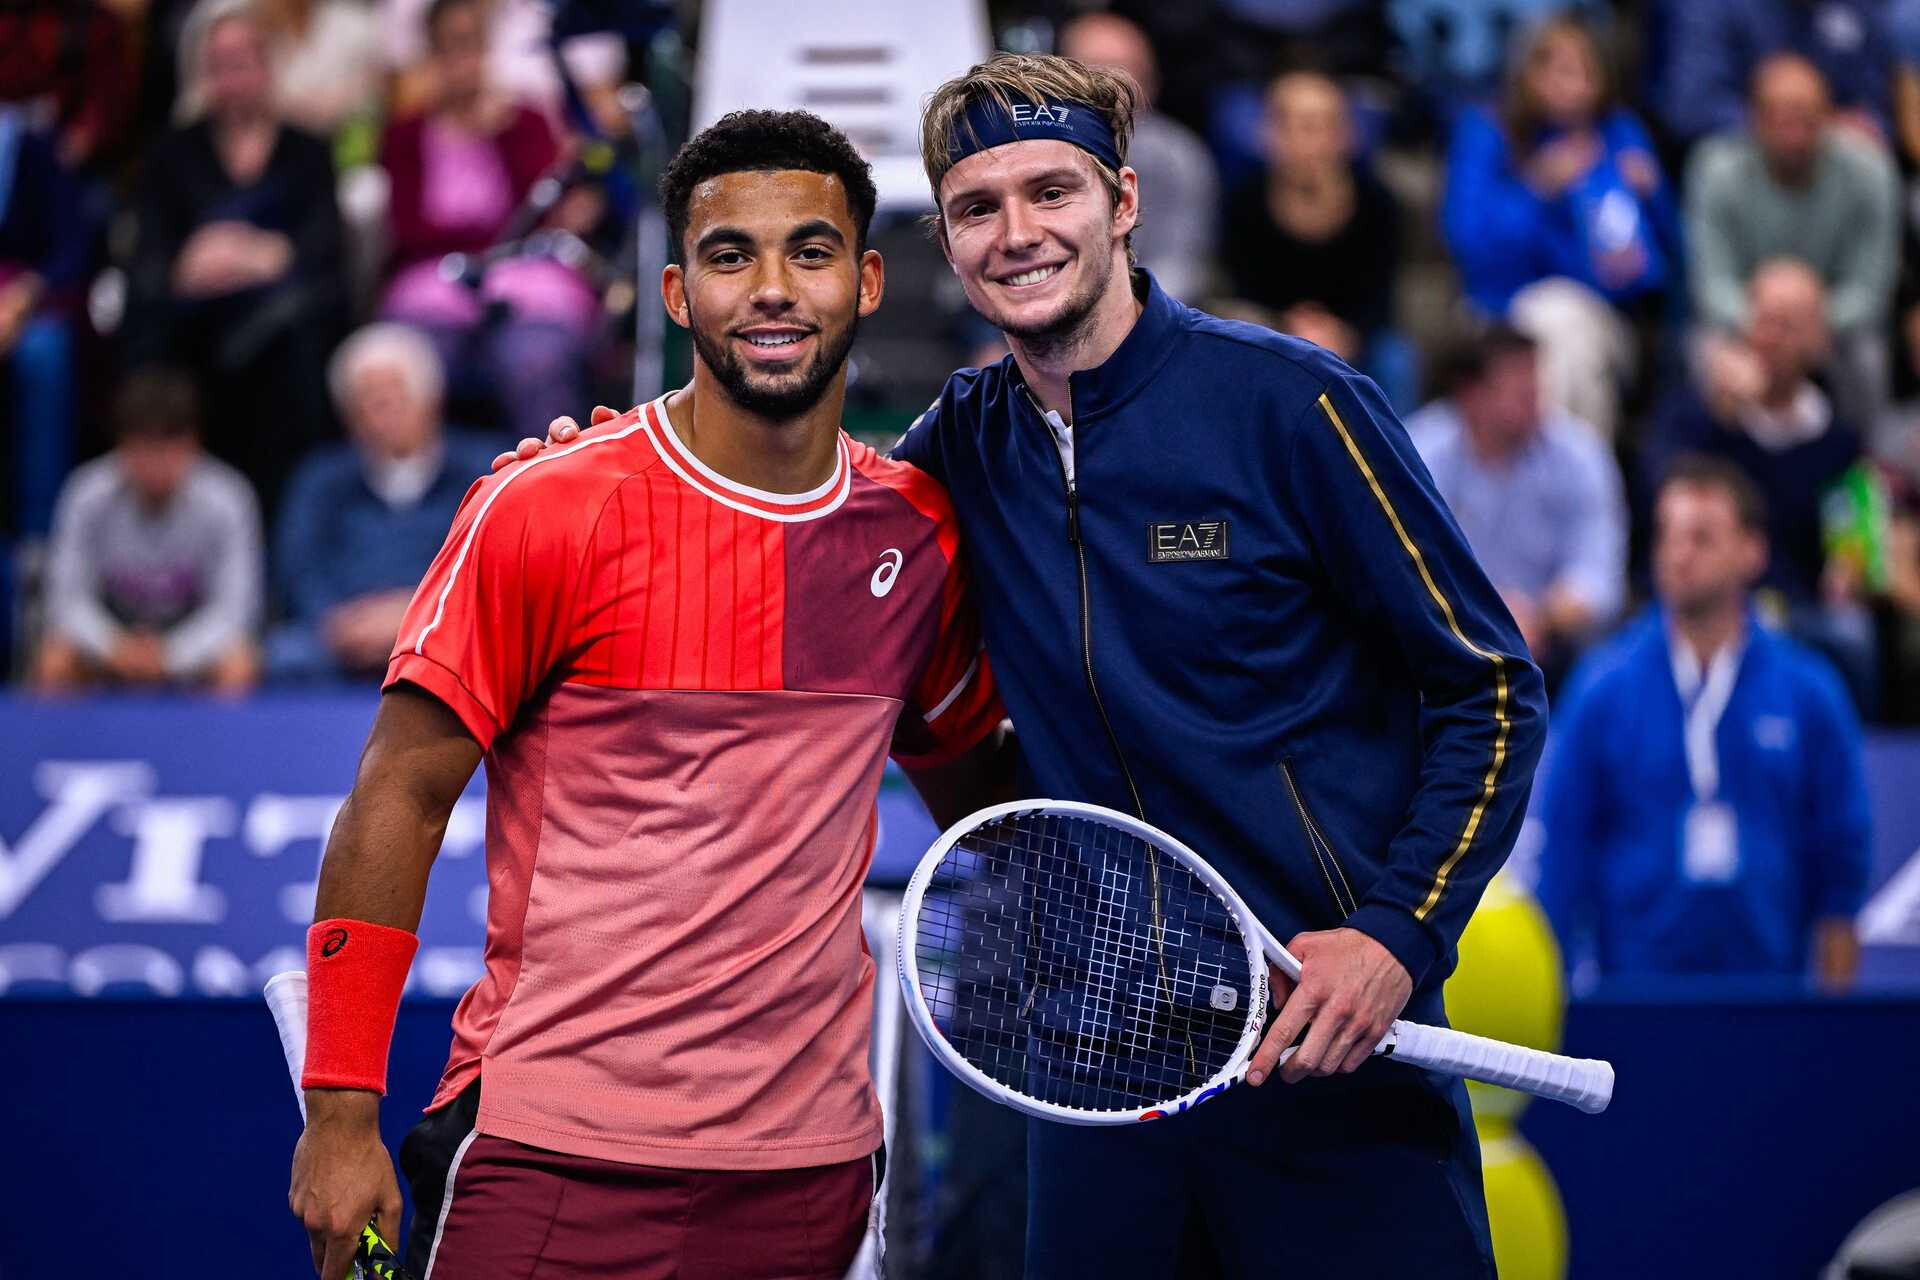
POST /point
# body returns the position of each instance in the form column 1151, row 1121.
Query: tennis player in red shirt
column 684, row 647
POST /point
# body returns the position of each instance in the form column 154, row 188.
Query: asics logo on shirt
column 882, row 581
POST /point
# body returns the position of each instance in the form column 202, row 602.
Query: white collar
column 1804, row 420
column 401, row 482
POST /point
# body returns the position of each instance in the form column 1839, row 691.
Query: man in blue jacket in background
column 1221, row 593
column 1705, row 805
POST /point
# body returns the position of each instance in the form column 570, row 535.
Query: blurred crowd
column 277, row 277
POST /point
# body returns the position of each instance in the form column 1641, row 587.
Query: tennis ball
column 1507, row 986
column 1523, row 1209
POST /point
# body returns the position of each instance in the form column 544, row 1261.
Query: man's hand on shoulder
column 1350, row 991
column 562, row 430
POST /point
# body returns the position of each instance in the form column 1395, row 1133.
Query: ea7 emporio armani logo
column 1186, row 540
column 882, row 581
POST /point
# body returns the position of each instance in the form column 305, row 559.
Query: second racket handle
column 1586, row 1083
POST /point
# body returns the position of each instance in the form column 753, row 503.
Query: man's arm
column 74, row 610
column 1717, row 283
column 1592, row 584
column 416, row 763
column 489, row 625
column 1399, row 566
column 1863, row 284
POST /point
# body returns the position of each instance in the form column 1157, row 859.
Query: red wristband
column 355, row 971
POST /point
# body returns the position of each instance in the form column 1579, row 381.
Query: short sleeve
column 492, row 618
column 955, row 703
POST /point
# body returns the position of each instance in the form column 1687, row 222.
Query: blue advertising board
column 170, row 847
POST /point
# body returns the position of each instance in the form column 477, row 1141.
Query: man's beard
column 1070, row 323
column 795, row 395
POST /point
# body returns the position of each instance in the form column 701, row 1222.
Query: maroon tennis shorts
column 487, row 1208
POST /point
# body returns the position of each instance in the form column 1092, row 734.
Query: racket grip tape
column 375, row 1259
column 1586, row 1083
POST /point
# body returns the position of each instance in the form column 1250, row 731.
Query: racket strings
column 1075, row 962
column 1160, row 958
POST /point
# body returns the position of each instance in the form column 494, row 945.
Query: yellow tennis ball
column 1508, row 985
column 1523, row 1209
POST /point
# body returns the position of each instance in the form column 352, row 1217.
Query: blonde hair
column 1028, row 77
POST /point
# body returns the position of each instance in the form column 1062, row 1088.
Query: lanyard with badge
column 1710, row 836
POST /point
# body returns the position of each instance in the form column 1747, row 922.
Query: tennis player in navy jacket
column 1221, row 592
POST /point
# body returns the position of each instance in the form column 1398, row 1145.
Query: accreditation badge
column 1710, row 843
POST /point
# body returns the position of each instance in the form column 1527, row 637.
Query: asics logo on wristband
column 330, row 945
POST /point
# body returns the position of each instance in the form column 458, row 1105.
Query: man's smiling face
column 1033, row 234
column 774, row 285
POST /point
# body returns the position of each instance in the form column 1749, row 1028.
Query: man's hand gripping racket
column 373, row 1257
column 1081, row 965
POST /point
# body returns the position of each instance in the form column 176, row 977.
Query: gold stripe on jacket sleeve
column 1453, row 624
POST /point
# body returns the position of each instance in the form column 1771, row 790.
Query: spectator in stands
column 76, row 57
column 1714, row 48
column 42, row 261
column 1456, row 50
column 1903, row 27
column 327, row 67
column 1560, row 220
column 1900, row 633
column 1896, row 445
column 1535, row 491
column 518, row 57
column 154, row 570
column 1315, row 239
column 460, row 173
column 1180, row 201
column 1757, row 406
column 236, row 271
column 1794, row 185
column 1704, row 802
column 362, row 522
column 1345, row 36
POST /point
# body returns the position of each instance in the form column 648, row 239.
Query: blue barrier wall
column 170, row 846
column 153, row 1138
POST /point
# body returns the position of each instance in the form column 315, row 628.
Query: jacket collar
column 1141, row 354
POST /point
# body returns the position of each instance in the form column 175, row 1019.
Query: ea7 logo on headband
column 1186, row 540
column 1041, row 113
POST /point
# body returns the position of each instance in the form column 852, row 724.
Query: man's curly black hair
column 766, row 142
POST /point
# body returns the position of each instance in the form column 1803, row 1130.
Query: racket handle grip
column 1586, row 1083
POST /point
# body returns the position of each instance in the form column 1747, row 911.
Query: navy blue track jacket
column 1252, row 621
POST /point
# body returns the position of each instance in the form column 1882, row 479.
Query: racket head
column 1037, row 900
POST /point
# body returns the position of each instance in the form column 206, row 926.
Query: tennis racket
column 1080, row 965
column 286, row 994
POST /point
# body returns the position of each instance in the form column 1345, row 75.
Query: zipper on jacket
column 1176, row 1016
column 1086, row 615
column 1317, row 841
